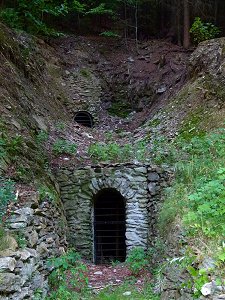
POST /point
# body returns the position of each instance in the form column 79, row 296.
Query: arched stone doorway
column 109, row 226
column 84, row 118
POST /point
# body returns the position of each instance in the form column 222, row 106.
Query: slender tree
column 186, row 26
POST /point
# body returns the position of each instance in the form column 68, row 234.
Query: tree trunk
column 136, row 24
column 216, row 11
column 186, row 38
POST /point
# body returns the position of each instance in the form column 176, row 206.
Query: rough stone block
column 7, row 264
column 10, row 282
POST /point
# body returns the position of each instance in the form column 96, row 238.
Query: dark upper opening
column 109, row 227
column 84, row 118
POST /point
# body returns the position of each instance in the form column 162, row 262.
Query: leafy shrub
column 69, row 272
column 11, row 17
column 28, row 15
column 42, row 137
column 11, row 145
column 47, row 192
column 65, row 261
column 207, row 208
column 21, row 239
column 85, row 73
column 110, row 34
column 116, row 152
column 203, row 31
column 63, row 146
column 136, row 260
column 199, row 278
column 60, row 126
column 197, row 193
column 6, row 194
column 120, row 109
column 3, row 152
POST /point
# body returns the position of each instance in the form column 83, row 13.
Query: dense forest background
column 131, row 19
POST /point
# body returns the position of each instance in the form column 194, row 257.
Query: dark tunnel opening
column 84, row 118
column 109, row 227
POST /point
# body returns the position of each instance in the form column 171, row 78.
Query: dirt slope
column 131, row 94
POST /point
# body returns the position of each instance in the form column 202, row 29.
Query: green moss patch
column 120, row 109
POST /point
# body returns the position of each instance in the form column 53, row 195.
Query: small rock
column 24, row 255
column 7, row 264
column 207, row 289
column 128, row 293
column 49, row 240
column 139, row 282
column 161, row 90
column 153, row 176
column 130, row 59
column 152, row 188
column 219, row 297
column 42, row 249
column 98, row 273
column 10, row 283
column 208, row 264
column 33, row 238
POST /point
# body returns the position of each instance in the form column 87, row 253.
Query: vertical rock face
column 140, row 186
column 40, row 233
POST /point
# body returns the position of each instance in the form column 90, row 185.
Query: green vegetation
column 206, row 207
column 32, row 16
column 203, row 31
column 117, row 293
column 11, row 17
column 191, row 127
column 85, row 73
column 20, row 239
column 10, row 146
column 62, row 146
column 137, row 260
column 68, row 279
column 47, row 192
column 42, row 137
column 110, row 34
column 6, row 195
column 60, row 126
column 120, row 109
column 116, row 152
column 28, row 15
column 196, row 200
column 199, row 171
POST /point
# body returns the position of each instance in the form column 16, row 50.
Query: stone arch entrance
column 84, row 118
column 137, row 185
column 109, row 226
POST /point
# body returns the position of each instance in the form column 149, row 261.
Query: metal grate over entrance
column 109, row 227
column 84, row 118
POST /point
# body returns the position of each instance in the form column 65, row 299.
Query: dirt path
column 102, row 276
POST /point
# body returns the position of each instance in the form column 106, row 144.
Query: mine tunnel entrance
column 109, row 227
column 84, row 118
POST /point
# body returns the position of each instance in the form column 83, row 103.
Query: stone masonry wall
column 140, row 185
column 36, row 232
